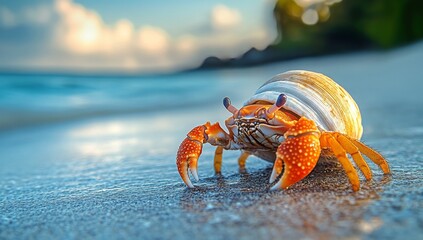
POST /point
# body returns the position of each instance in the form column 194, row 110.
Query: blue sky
column 132, row 36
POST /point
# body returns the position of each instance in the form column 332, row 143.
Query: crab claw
column 188, row 153
column 298, row 153
column 190, row 149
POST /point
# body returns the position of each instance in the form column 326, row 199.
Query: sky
column 129, row 36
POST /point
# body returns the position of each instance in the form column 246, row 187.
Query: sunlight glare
column 310, row 17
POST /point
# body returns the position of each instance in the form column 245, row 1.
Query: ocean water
column 27, row 99
column 94, row 157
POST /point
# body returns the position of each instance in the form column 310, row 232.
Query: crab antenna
column 228, row 105
column 277, row 105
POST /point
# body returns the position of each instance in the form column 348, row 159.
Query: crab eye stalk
column 229, row 106
column 277, row 105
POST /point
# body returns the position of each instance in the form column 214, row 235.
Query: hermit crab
column 291, row 120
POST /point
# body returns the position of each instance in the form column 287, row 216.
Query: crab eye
column 277, row 105
column 229, row 106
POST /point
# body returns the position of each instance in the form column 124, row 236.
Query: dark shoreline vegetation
column 350, row 26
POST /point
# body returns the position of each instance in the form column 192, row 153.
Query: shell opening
column 229, row 106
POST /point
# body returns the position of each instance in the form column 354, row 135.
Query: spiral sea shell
column 316, row 97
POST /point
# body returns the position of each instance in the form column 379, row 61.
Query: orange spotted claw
column 297, row 155
column 188, row 154
column 190, row 149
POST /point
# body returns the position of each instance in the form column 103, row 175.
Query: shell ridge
column 316, row 97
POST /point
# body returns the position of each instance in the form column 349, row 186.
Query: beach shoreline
column 114, row 176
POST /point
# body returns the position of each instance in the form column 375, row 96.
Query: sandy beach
column 112, row 174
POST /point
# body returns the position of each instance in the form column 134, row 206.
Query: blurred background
column 87, row 36
column 95, row 97
column 63, row 59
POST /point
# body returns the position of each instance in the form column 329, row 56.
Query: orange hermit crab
column 291, row 120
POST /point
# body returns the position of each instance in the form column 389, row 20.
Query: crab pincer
column 188, row 154
column 191, row 147
column 298, row 154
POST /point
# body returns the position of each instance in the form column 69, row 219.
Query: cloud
column 223, row 17
column 81, row 31
column 80, row 40
column 153, row 40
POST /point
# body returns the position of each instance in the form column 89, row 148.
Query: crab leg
column 190, row 149
column 299, row 153
column 355, row 154
column 372, row 155
column 242, row 160
column 341, row 144
column 328, row 141
column 218, row 159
